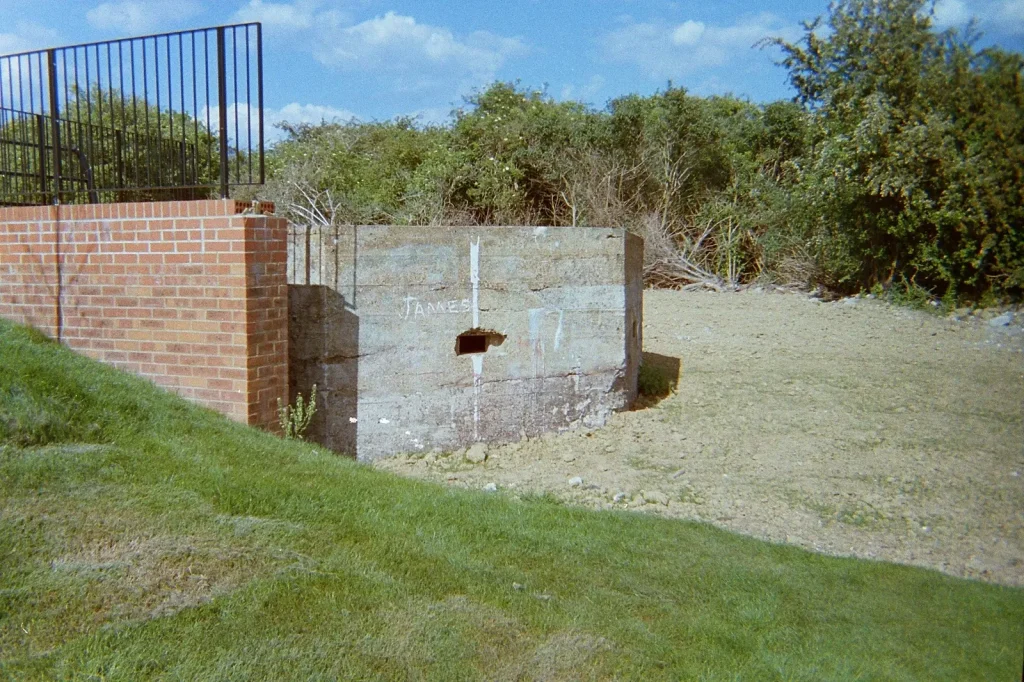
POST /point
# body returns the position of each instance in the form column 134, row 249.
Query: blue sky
column 376, row 59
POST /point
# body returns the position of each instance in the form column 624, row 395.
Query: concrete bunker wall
column 437, row 337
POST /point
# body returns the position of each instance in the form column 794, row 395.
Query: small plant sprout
column 294, row 420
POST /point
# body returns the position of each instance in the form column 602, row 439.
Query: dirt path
column 850, row 428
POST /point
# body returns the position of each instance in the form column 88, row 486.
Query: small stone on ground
column 477, row 453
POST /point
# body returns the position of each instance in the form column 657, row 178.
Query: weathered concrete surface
column 375, row 313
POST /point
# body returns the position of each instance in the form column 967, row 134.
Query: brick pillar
column 266, row 316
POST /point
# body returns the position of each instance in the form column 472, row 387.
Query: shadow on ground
column 659, row 378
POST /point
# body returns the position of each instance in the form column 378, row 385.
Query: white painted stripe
column 478, row 359
column 474, row 277
column 478, row 370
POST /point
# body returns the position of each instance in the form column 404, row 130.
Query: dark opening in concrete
column 470, row 343
column 477, row 341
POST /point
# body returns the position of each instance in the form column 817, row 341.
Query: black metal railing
column 169, row 116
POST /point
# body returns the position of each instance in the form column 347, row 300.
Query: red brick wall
column 190, row 294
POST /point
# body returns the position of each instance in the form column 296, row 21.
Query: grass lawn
column 142, row 537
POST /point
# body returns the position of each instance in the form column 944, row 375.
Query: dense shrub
column 914, row 170
column 900, row 160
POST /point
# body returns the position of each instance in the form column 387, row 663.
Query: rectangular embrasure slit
column 477, row 341
column 470, row 343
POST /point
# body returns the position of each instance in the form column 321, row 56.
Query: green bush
column 655, row 381
column 899, row 162
column 917, row 143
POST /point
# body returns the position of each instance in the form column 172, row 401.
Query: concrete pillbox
column 425, row 337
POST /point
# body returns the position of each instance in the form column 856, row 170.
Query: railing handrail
column 128, row 39
column 154, row 93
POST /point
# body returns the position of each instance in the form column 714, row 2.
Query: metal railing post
column 181, row 162
column 119, row 157
column 41, row 132
column 259, row 89
column 222, row 110
column 51, row 68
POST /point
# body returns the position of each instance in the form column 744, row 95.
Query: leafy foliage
column 899, row 161
column 293, row 420
column 915, row 165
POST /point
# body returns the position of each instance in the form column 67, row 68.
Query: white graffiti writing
column 415, row 308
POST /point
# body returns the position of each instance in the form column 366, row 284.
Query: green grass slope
column 142, row 537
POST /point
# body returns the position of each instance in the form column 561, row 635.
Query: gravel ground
column 851, row 428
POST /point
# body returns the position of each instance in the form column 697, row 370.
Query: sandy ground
column 851, row 428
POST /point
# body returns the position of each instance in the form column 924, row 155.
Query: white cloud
column 27, row 36
column 666, row 51
column 14, row 72
column 997, row 17
column 306, row 113
column 688, row 33
column 413, row 55
column 398, row 43
column 951, row 13
column 1011, row 14
column 295, row 113
column 141, row 16
column 583, row 93
column 282, row 17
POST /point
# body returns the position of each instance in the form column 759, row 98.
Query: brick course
column 190, row 294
